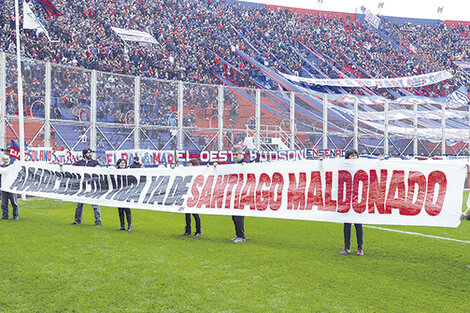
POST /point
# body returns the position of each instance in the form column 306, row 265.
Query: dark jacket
column 135, row 165
column 83, row 162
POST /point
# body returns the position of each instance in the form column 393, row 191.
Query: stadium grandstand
column 202, row 75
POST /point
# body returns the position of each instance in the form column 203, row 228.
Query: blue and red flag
column 15, row 150
column 50, row 9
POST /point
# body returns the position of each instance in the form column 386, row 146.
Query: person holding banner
column 8, row 196
column 197, row 220
column 352, row 154
column 122, row 164
column 87, row 161
column 136, row 163
column 238, row 221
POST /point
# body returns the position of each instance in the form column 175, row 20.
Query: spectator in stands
column 137, row 163
column 8, row 196
column 352, row 154
column 122, row 164
column 197, row 220
column 238, row 221
column 88, row 161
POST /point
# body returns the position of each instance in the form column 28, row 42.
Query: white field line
column 416, row 234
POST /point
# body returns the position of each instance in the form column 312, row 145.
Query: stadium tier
column 278, row 67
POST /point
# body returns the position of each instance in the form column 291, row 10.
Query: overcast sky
column 458, row 10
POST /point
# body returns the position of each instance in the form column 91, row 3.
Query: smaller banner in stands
column 401, row 82
column 336, row 190
column 166, row 157
column 373, row 19
column 134, row 35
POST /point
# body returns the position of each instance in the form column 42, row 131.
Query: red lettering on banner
column 415, row 179
column 157, row 158
column 205, row 198
column 396, row 192
column 315, row 193
column 232, row 181
column 248, row 192
column 109, row 158
column 236, row 201
column 344, row 191
column 377, row 191
column 262, row 195
column 296, row 192
column 435, row 178
column 330, row 204
column 41, row 155
column 219, row 190
column 359, row 204
column 275, row 192
column 198, row 181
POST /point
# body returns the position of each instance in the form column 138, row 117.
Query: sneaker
column 239, row 240
column 129, row 228
column 98, row 224
column 468, row 266
column 345, row 251
column 16, row 218
column 197, row 235
column 3, row 218
column 234, row 238
column 186, row 234
column 74, row 223
column 121, row 228
column 360, row 252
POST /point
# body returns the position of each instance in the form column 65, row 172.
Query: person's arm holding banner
column 466, row 214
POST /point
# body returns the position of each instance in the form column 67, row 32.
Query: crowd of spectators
column 195, row 37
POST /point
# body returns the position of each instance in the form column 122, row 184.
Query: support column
column 258, row 119
column 47, row 107
column 325, row 123
column 93, row 111
column 415, row 129
column 180, row 116
column 292, row 121
column 443, row 127
column 220, row 117
column 386, row 150
column 356, row 125
column 3, row 76
column 137, row 113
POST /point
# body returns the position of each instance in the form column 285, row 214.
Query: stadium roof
column 452, row 10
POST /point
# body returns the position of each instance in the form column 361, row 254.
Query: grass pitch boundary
column 417, row 234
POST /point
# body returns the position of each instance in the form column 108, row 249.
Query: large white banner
column 402, row 82
column 134, row 35
column 335, row 190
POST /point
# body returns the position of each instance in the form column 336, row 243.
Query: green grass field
column 285, row 266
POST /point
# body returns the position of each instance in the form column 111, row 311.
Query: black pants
column 239, row 222
column 347, row 235
column 188, row 223
column 128, row 215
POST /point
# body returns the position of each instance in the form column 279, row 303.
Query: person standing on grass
column 197, row 220
column 352, row 154
column 122, row 164
column 8, row 196
column 87, row 161
column 238, row 221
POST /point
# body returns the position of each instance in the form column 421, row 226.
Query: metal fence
column 72, row 108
